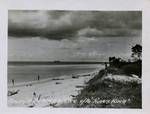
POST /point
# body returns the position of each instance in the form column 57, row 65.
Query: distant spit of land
column 52, row 62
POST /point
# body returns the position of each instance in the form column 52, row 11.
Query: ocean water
column 26, row 73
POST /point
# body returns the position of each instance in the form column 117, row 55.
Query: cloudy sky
column 72, row 35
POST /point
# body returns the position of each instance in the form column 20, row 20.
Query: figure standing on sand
column 38, row 77
column 13, row 82
column 34, row 94
column 35, row 98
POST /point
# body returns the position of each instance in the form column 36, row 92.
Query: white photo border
column 100, row 5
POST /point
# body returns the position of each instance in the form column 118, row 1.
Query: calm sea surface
column 25, row 73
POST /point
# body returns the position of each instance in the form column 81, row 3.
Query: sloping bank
column 110, row 90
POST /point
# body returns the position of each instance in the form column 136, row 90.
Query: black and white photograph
column 74, row 59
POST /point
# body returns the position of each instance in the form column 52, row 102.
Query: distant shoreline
column 19, row 84
column 51, row 62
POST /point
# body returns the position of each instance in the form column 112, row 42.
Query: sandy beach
column 48, row 92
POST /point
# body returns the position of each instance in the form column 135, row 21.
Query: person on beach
column 34, row 98
column 34, row 94
column 38, row 77
column 13, row 82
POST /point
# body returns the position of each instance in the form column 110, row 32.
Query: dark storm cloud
column 60, row 25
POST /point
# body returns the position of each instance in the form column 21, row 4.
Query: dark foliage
column 137, row 52
column 99, row 87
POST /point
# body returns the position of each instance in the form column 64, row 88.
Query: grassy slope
column 98, row 90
